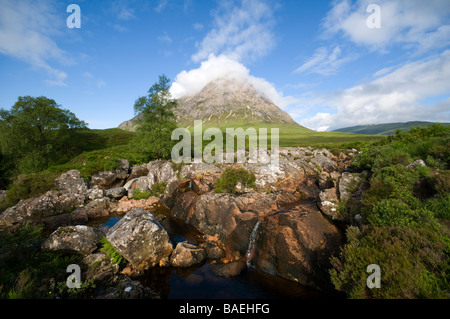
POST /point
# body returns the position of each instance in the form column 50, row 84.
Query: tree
column 156, row 121
column 36, row 133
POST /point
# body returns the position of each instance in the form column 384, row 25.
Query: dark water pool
column 201, row 283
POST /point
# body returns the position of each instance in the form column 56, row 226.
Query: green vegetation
column 138, row 194
column 405, row 214
column 231, row 177
column 157, row 120
column 111, row 252
column 26, row 269
column 36, row 133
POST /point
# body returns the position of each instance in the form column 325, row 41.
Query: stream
column 199, row 282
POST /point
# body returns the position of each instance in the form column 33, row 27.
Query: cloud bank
column 395, row 96
column 26, row 32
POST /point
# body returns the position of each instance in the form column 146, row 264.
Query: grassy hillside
column 384, row 129
column 297, row 135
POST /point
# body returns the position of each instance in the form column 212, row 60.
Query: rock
column 125, row 204
column 197, row 170
column 137, row 171
column 3, row 194
column 94, row 193
column 115, row 178
column 348, row 183
column 229, row 269
column 77, row 217
column 73, row 239
column 36, row 208
column 72, row 181
column 98, row 207
column 161, row 171
column 213, row 251
column 328, row 203
column 128, row 289
column 297, row 245
column 186, row 255
column 231, row 217
column 104, row 179
column 124, row 164
column 116, row 192
column 417, row 163
column 100, row 268
column 140, row 239
column 323, row 162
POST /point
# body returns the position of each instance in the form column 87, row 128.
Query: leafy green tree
column 36, row 132
column 156, row 121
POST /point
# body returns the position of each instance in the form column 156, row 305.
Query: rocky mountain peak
column 226, row 101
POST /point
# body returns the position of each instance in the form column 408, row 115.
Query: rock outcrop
column 73, row 239
column 140, row 239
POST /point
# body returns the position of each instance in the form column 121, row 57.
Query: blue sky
column 317, row 60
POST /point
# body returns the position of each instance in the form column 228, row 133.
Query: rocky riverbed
column 287, row 228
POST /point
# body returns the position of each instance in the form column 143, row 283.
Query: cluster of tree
column 37, row 133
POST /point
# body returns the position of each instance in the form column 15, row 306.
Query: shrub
column 24, row 266
column 158, row 189
column 31, row 185
column 138, row 194
column 413, row 263
column 394, row 212
column 231, row 177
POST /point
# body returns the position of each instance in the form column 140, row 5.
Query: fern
column 116, row 257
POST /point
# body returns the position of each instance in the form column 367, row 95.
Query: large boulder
column 36, row 208
column 116, row 192
column 98, row 207
column 73, row 239
column 227, row 216
column 297, row 245
column 72, row 181
column 114, row 178
column 140, row 239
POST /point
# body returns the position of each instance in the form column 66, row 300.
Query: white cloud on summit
column 188, row 83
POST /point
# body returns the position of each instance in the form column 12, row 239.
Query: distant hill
column 226, row 102
column 384, row 129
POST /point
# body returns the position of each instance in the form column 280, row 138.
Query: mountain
column 384, row 129
column 226, row 102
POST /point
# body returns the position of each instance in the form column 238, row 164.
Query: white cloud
column 122, row 11
column 240, row 32
column 324, row 63
column 165, row 38
column 26, row 31
column 393, row 97
column 421, row 24
column 161, row 5
column 188, row 83
column 198, row 26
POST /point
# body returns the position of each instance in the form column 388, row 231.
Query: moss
column 231, row 177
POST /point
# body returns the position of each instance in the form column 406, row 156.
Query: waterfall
column 252, row 244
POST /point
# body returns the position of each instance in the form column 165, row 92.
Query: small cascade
column 252, row 244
